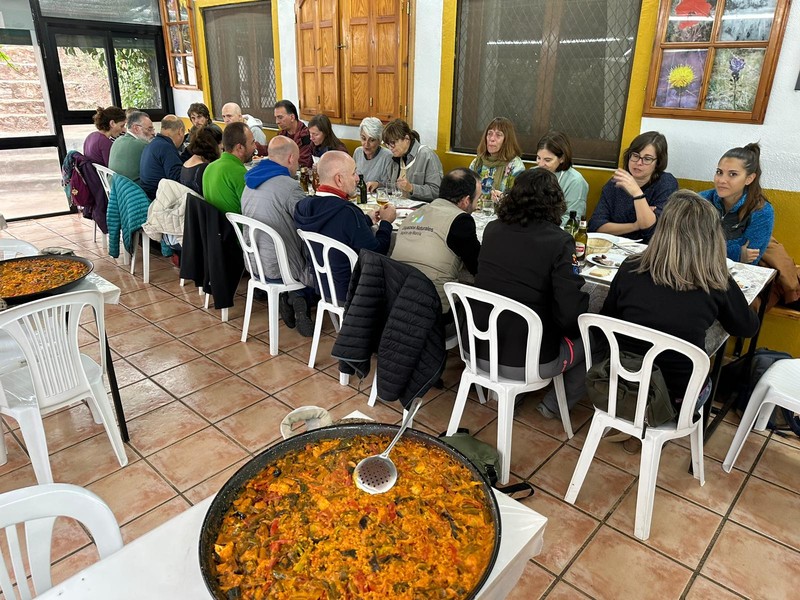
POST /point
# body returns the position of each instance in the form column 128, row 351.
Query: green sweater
column 223, row 183
column 126, row 154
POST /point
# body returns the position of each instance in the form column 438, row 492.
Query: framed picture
column 734, row 79
column 681, row 78
column 747, row 20
column 691, row 20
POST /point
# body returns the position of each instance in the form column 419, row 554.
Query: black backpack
column 782, row 419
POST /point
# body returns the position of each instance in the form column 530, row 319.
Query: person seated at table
column 554, row 153
column 542, row 277
column 322, row 136
column 372, row 159
column 205, row 147
column 680, row 285
column 200, row 116
column 110, row 124
column 497, row 162
column 746, row 215
column 330, row 213
column 223, row 179
column 232, row 112
column 415, row 169
column 161, row 158
column 270, row 196
column 633, row 199
column 439, row 238
column 126, row 152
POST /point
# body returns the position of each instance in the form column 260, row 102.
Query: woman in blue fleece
column 747, row 218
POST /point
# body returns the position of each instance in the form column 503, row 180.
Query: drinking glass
column 487, row 206
column 383, row 196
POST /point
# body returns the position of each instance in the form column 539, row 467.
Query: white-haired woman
column 372, row 159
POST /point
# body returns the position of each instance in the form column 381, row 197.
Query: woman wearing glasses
column 633, row 199
column 415, row 169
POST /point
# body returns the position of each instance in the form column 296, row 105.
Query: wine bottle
column 362, row 190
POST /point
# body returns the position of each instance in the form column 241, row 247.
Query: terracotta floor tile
column 603, row 487
column 611, row 452
column 87, row 461
column 67, row 427
column 72, row 564
column 564, row 591
column 223, row 398
column 567, row 530
column 133, row 491
column 288, row 339
column 142, row 397
column 161, row 514
column 259, row 322
column 527, row 413
column 317, row 390
column 238, row 357
column 163, row 426
column 257, row 426
column 717, row 447
column 189, row 322
column 163, row 357
column 135, row 341
column 18, row 478
column 780, row 464
column 381, row 412
column 436, row 413
column 615, row 566
column 121, row 323
column 529, row 448
column 143, row 297
column 323, row 359
column 788, row 438
column 126, row 373
column 720, row 488
column 679, row 528
column 190, row 377
column 16, row 456
column 68, row 536
column 277, row 373
column 764, row 507
column 751, row 564
column 196, row 458
column 532, row 584
column 213, row 338
column 163, row 309
column 165, row 275
column 704, row 589
column 213, row 484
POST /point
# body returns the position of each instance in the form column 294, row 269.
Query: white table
column 164, row 563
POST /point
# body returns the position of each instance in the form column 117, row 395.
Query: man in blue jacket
column 330, row 212
column 161, row 158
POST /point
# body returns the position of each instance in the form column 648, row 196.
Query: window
column 545, row 65
column 178, row 22
column 241, row 65
column 714, row 60
column 143, row 12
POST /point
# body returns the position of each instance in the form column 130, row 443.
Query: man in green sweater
column 126, row 151
column 223, row 179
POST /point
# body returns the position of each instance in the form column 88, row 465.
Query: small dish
column 606, row 261
column 743, row 285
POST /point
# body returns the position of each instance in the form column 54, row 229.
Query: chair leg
column 248, row 308
column 182, row 282
column 563, row 408
column 100, row 399
column 224, row 315
column 317, row 333
column 3, row 450
column 696, row 442
column 208, row 298
column 97, row 417
column 32, row 428
column 373, row 392
column 145, row 257
column 274, row 322
column 134, row 243
column 505, row 429
column 458, row 406
column 645, row 497
column 95, row 233
column 596, row 430
column 104, row 240
column 481, row 396
column 763, row 415
column 344, row 378
column 745, row 425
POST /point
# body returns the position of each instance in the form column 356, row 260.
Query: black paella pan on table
column 234, row 486
column 41, row 273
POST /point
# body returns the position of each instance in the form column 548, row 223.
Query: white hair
column 373, row 127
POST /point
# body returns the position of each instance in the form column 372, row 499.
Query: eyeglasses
column 647, row 160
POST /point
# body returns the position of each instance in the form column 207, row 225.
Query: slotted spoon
column 377, row 474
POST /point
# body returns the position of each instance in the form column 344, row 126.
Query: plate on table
column 606, row 261
column 743, row 285
column 614, row 239
column 402, row 213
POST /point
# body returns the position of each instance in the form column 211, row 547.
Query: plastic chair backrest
column 466, row 294
column 46, row 331
column 323, row 269
column 12, row 248
column 248, row 234
column 106, row 175
column 36, row 508
column 661, row 342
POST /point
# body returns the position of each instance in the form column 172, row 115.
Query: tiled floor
column 199, row 403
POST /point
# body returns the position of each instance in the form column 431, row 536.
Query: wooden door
column 318, row 57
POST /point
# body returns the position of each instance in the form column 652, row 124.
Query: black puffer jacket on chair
column 394, row 310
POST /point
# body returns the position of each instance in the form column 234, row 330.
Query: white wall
column 183, row 98
column 695, row 146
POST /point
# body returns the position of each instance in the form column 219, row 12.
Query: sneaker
column 305, row 326
column 546, row 412
column 286, row 309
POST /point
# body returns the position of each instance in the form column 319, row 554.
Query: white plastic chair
column 777, row 386
column 106, row 175
column 460, row 297
column 654, row 437
column 10, row 248
column 333, row 305
column 258, row 277
column 56, row 373
column 36, row 508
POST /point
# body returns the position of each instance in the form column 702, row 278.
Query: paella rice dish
column 302, row 530
column 38, row 274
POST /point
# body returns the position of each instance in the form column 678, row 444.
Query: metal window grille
column 241, row 65
column 545, row 64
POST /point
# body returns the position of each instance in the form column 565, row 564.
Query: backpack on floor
column 782, row 419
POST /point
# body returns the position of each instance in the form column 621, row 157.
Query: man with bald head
column 270, row 196
column 161, row 158
column 232, row 113
column 331, row 213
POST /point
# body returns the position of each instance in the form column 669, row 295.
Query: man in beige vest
column 439, row 238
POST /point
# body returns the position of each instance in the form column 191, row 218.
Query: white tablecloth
column 164, row 563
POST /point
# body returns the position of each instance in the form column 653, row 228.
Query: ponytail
column 750, row 155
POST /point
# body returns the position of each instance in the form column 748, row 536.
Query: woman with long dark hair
column 323, row 139
column 554, row 153
column 110, row 124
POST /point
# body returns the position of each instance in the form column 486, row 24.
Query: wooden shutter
column 318, row 57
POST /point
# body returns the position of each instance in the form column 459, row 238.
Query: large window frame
column 187, row 60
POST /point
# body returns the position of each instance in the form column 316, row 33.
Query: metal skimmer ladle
column 377, row 474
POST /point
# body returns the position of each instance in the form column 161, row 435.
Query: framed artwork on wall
column 715, row 59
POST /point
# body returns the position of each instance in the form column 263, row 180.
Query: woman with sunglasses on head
column 497, row 160
column 372, row 159
column 415, row 169
column 633, row 199
column 747, row 218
